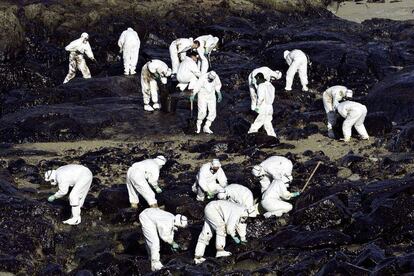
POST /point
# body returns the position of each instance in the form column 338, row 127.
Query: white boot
column 199, row 260
column 222, row 253
column 147, row 107
column 133, row 72
column 156, row 106
column 288, row 88
column 156, row 265
column 206, row 127
column 76, row 218
column 199, row 122
column 305, row 89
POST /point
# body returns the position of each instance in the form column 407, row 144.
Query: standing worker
column 269, row 76
column 129, row 44
column 178, row 50
column 77, row 176
column 206, row 88
column 139, row 178
column 331, row 98
column 273, row 168
column 188, row 72
column 210, row 179
column 272, row 199
column 78, row 49
column 354, row 114
column 156, row 224
column 153, row 71
column 223, row 217
column 298, row 63
column 264, row 108
column 208, row 43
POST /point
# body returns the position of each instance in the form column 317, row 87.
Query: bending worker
column 210, row 179
column 77, row 176
column 78, row 49
column 178, row 50
column 206, row 88
column 264, row 108
column 272, row 199
column 331, row 98
column 156, row 222
column 153, row 71
column 139, row 178
column 354, row 114
column 237, row 193
column 273, row 168
column 208, row 43
column 269, row 76
column 188, row 72
column 298, row 63
column 224, row 217
column 129, row 44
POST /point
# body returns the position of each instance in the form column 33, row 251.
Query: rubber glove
column 175, row 246
column 219, row 97
column 256, row 109
column 236, row 240
column 158, row 190
column 210, row 195
column 192, row 98
column 295, row 194
column 51, row 198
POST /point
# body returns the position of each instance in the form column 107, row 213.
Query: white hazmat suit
column 129, row 44
column 237, row 193
column 178, row 49
column 298, row 63
column 153, row 71
column 78, row 49
column 208, row 43
column 139, row 178
column 156, row 224
column 265, row 98
column 268, row 74
column 272, row 199
column 206, row 88
column 223, row 217
column 354, row 114
column 209, row 181
column 331, row 98
column 77, row 176
column 188, row 74
column 273, row 168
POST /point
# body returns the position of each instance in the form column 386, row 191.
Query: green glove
column 175, row 247
column 210, row 195
column 158, row 190
column 256, row 109
column 219, row 97
column 236, row 240
column 51, row 198
column 192, row 98
column 295, row 194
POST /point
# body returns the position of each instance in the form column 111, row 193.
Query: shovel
column 310, row 177
column 191, row 123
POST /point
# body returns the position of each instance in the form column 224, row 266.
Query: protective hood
column 287, row 178
column 84, row 36
column 50, row 176
column 222, row 194
column 285, row 54
column 277, row 74
column 180, row 221
column 349, row 93
column 257, row 171
column 253, row 211
column 216, row 163
column 160, row 160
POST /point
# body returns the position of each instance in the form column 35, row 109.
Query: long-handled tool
column 310, row 177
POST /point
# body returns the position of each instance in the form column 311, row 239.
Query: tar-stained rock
column 111, row 200
column 370, row 257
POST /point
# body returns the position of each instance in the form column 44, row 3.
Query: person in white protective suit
column 210, row 179
column 223, row 217
column 77, row 176
column 272, row 199
column 208, row 43
column 298, row 63
column 78, row 49
column 153, row 71
column 331, row 98
column 178, row 51
column 274, row 167
column 129, row 44
column 238, row 194
column 140, row 177
column 188, row 72
column 264, row 108
column 206, row 88
column 268, row 74
column 156, row 224
column 354, row 114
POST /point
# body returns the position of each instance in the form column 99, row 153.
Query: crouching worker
column 139, row 178
column 210, row 179
column 77, row 176
column 273, row 199
column 156, row 224
column 223, row 217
